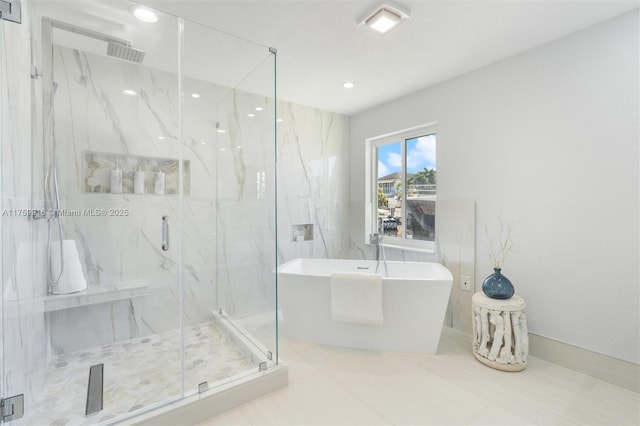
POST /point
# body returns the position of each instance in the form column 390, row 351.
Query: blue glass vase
column 497, row 286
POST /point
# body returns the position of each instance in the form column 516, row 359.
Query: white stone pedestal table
column 500, row 338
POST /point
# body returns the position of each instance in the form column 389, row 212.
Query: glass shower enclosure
column 138, row 213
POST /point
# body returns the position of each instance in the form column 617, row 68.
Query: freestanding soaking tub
column 414, row 302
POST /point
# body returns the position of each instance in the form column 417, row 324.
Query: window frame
column 371, row 198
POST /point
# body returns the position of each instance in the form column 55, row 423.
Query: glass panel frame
column 117, row 229
column 236, row 139
column 133, row 299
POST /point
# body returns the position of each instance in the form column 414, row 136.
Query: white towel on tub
column 356, row 298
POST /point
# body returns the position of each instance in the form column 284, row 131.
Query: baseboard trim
column 602, row 367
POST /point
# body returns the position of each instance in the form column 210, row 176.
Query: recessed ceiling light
column 383, row 21
column 280, row 120
column 221, row 131
column 129, row 92
column 145, row 15
column 259, row 108
column 195, row 95
column 348, row 85
column 384, row 18
column 251, row 115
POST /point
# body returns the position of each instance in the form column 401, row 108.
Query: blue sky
column 421, row 153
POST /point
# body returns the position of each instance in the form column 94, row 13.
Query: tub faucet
column 375, row 239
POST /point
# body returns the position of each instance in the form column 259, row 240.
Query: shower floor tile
column 137, row 373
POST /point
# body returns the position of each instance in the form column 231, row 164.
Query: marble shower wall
column 228, row 229
column 313, row 173
column 92, row 114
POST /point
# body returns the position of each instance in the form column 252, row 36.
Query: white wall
column 550, row 139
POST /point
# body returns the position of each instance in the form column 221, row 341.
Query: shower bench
column 95, row 294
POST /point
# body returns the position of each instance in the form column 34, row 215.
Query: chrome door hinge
column 11, row 408
column 11, row 10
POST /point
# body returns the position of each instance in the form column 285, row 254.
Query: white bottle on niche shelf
column 116, row 180
column 158, row 183
column 138, row 181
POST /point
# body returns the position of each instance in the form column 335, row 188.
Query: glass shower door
column 92, row 296
column 118, row 149
column 138, row 161
column 229, row 237
column 22, row 325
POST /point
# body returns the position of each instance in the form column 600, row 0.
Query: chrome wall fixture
column 11, row 10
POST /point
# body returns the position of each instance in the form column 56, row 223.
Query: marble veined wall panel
column 227, row 225
column 92, row 113
column 245, row 205
column 313, row 180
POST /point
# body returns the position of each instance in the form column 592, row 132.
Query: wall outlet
column 465, row 283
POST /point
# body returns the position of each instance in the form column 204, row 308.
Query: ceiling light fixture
column 145, row 15
column 384, row 18
column 129, row 92
column 195, row 95
column 259, row 109
column 348, row 85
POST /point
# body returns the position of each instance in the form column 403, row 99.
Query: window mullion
column 404, row 188
column 374, row 185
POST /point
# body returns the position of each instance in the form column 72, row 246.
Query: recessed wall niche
column 98, row 177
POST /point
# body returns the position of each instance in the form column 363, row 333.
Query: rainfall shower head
column 116, row 47
column 128, row 53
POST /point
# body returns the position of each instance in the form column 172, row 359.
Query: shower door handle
column 165, row 233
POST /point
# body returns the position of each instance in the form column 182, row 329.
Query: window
column 403, row 187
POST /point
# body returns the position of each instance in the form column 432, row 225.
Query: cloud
column 394, row 160
column 382, row 169
column 421, row 153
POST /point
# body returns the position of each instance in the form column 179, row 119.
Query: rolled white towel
column 72, row 279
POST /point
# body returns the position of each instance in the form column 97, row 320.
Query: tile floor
column 137, row 373
column 329, row 385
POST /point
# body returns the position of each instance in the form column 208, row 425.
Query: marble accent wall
column 229, row 216
column 313, row 173
column 91, row 113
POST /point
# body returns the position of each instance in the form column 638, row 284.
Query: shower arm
column 83, row 31
column 47, row 26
